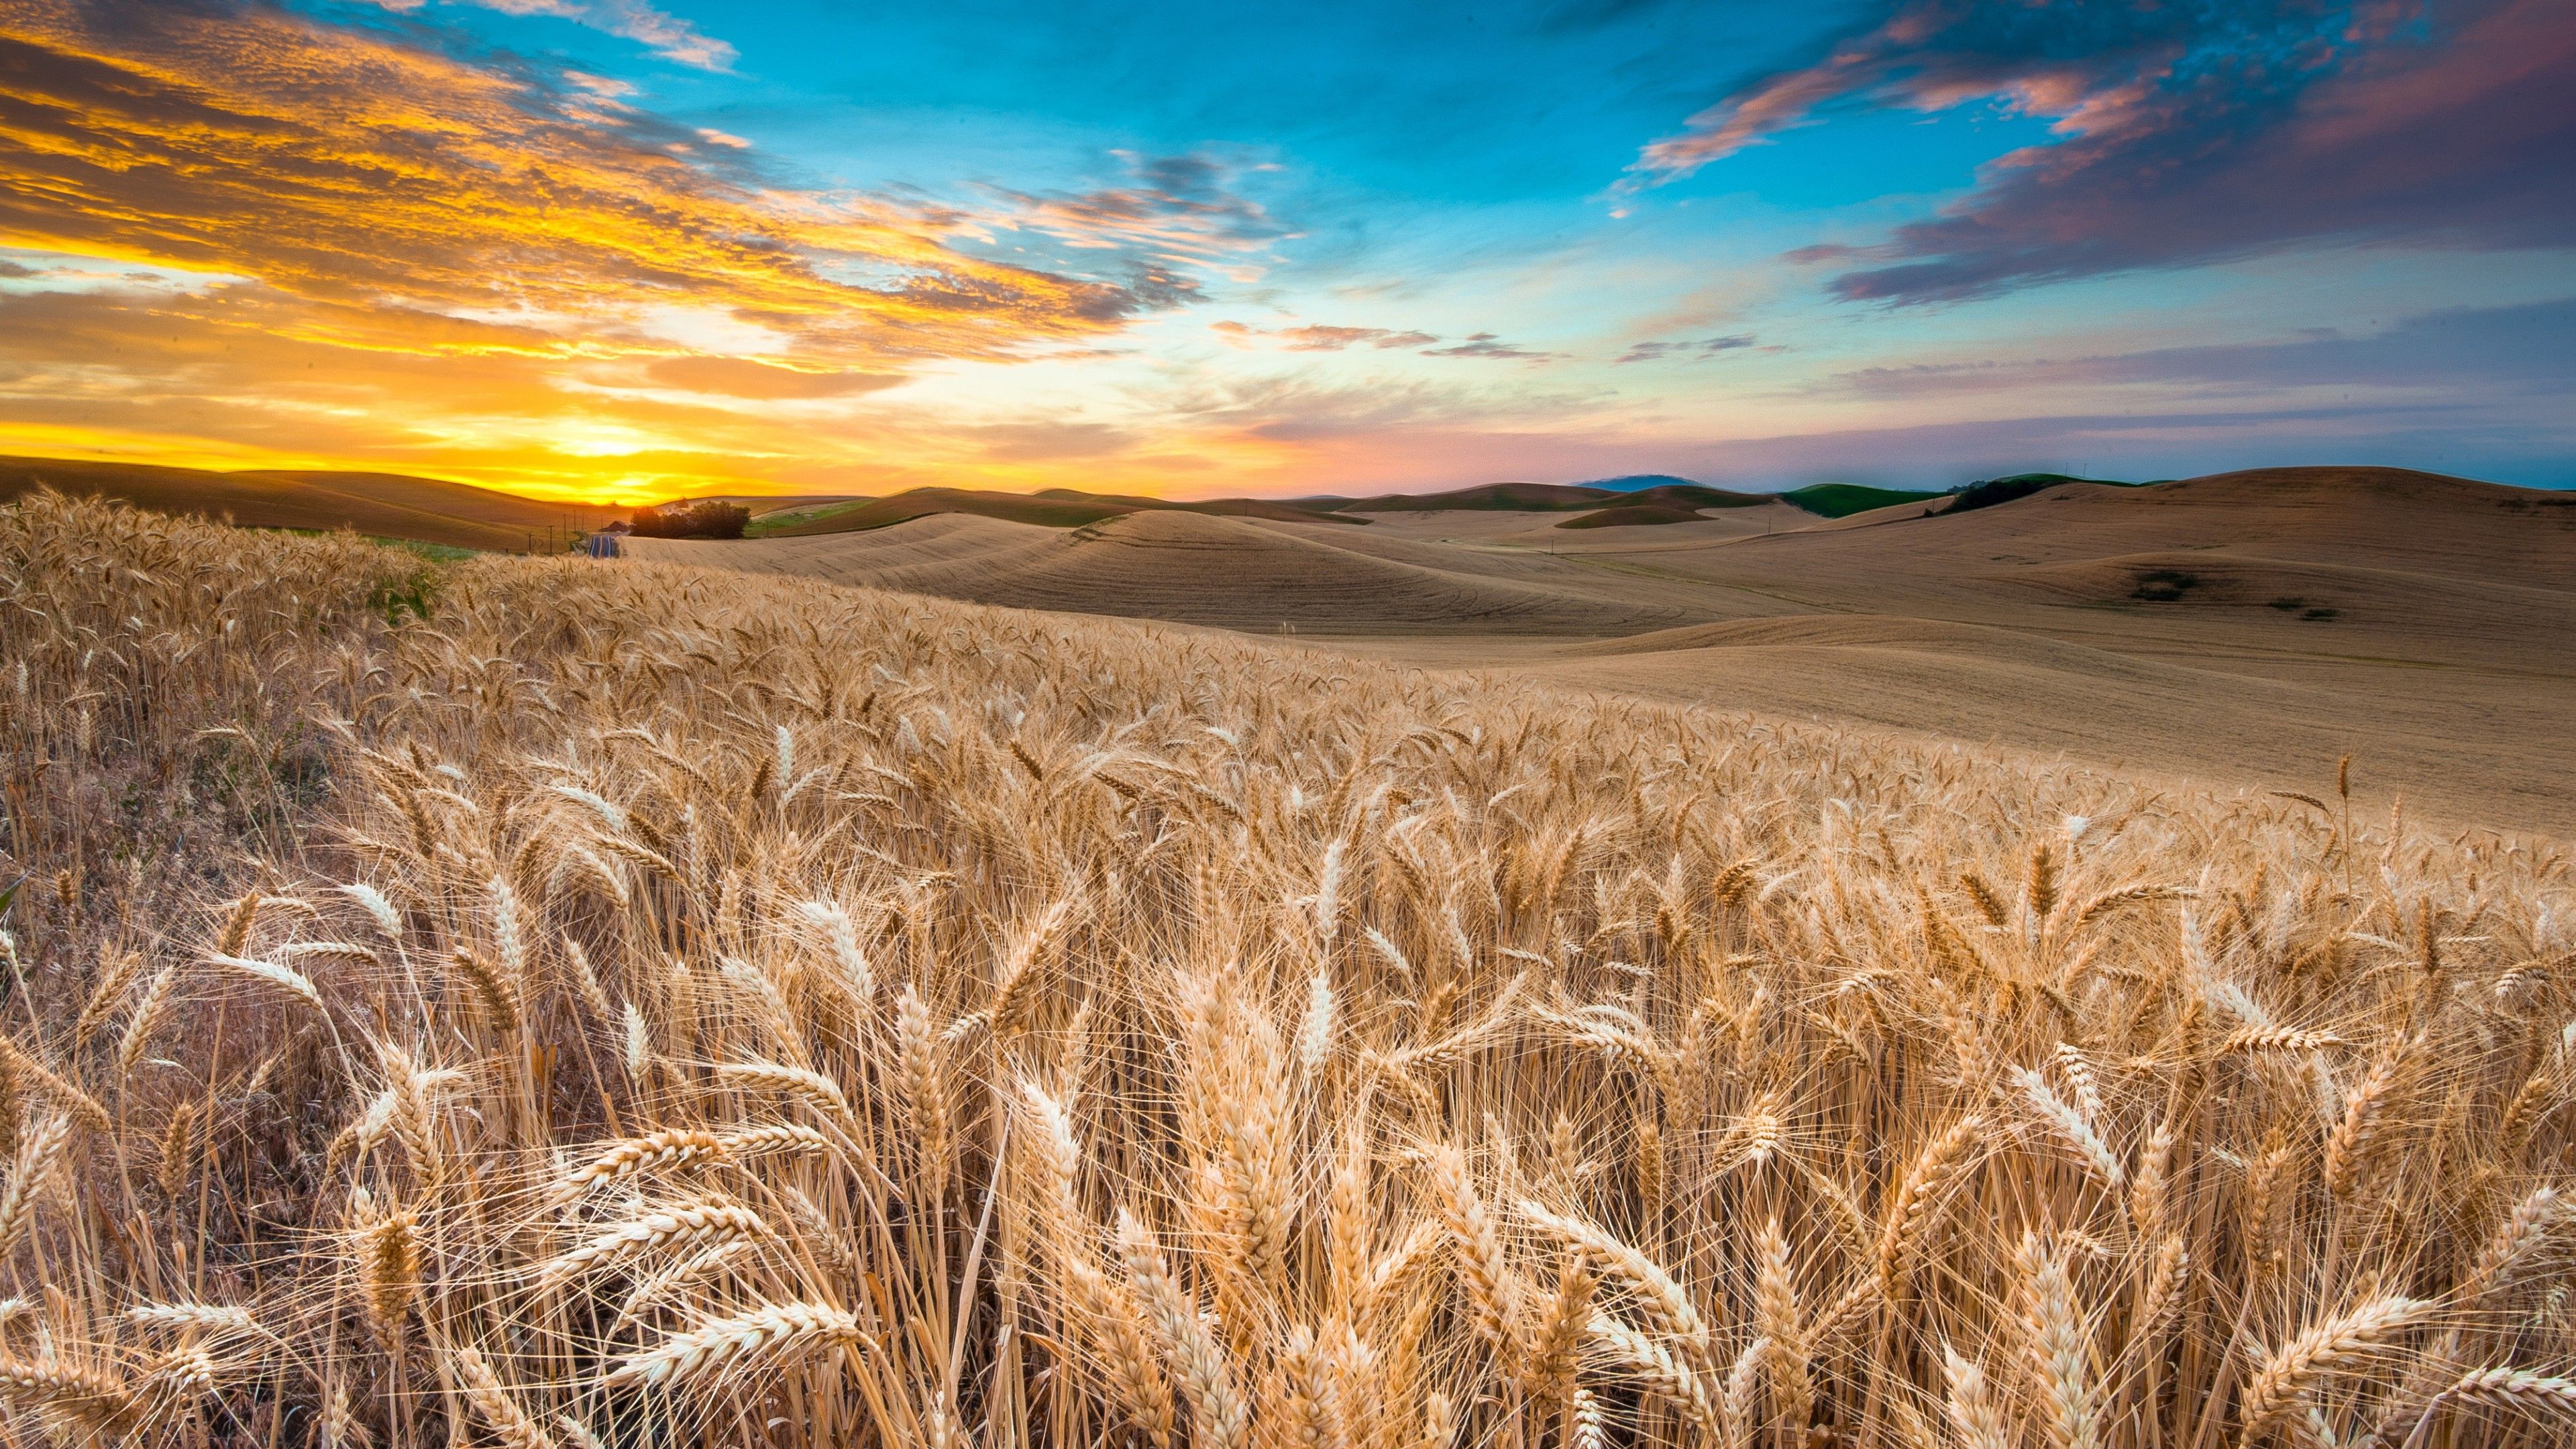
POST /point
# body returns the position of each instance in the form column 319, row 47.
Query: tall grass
column 636, row 1005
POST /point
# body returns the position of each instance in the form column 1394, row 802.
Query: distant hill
column 1841, row 500
column 381, row 505
column 1633, row 482
column 1643, row 490
column 1635, row 515
column 1493, row 497
column 1692, row 495
column 1053, row 508
column 1987, row 492
column 1176, row 564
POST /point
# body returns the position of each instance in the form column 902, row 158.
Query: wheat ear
column 2297, row 1366
column 771, row 1335
column 1220, row 1417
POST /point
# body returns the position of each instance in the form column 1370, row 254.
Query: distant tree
column 692, row 518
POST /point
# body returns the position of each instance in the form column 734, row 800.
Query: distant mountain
column 1633, row 482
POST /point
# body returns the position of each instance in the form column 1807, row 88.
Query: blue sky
column 612, row 248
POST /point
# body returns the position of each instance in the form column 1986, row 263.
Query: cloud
column 666, row 35
column 745, row 378
column 1315, row 338
column 1303, row 409
column 1173, row 207
column 1705, row 347
column 2528, row 349
column 233, row 234
column 1334, row 339
column 1051, row 441
column 2191, row 133
column 343, row 166
column 1486, row 344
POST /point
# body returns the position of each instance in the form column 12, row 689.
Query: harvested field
column 2413, row 621
column 1191, row 568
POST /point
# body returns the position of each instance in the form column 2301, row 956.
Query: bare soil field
column 2248, row 627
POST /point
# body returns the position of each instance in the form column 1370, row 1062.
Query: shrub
column 2164, row 586
column 692, row 518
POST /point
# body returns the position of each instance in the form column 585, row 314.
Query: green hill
column 1987, row 492
column 1842, row 500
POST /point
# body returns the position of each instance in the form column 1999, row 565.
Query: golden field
column 2416, row 622
column 638, row 1004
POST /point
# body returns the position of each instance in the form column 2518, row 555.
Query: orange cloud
column 341, row 165
column 244, row 236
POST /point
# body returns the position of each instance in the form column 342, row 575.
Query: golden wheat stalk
column 770, row 1336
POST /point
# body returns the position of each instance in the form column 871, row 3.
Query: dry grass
column 645, row 1006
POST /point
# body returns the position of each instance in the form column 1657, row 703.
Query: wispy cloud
column 744, row 377
column 1317, row 338
column 1052, row 441
column 2489, row 351
column 666, row 35
column 1487, row 344
column 1704, row 347
column 2187, row 133
column 1176, row 209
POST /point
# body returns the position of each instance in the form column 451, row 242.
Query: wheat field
column 635, row 1005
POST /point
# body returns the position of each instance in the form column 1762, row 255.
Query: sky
column 620, row 250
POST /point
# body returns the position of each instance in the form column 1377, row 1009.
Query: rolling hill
column 1841, row 500
column 2256, row 623
column 2245, row 625
column 1188, row 567
column 1052, row 508
column 1644, row 490
column 1634, row 515
column 383, row 505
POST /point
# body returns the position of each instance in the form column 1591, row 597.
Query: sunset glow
column 613, row 252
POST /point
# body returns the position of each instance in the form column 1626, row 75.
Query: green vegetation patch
column 781, row 520
column 1842, row 500
column 1986, row 493
column 437, row 553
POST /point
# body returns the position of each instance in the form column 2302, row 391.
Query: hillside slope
column 384, row 505
column 1053, row 508
column 1197, row 569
